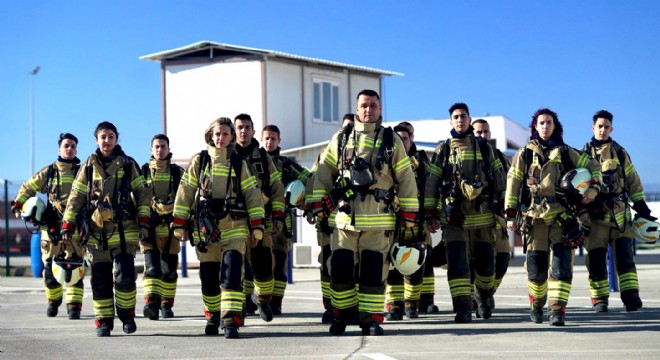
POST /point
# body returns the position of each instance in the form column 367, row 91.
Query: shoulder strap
column 343, row 139
column 145, row 171
column 566, row 158
column 266, row 180
column 204, row 162
column 386, row 151
column 49, row 180
column 620, row 154
column 175, row 174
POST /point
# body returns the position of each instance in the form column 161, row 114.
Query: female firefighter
column 546, row 213
column 110, row 195
column 220, row 194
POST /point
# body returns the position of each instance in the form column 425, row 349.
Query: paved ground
column 26, row 333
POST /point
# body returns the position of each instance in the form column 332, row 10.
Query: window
column 326, row 100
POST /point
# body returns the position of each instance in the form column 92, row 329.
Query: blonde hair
column 208, row 134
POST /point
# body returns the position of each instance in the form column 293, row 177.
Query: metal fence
column 15, row 237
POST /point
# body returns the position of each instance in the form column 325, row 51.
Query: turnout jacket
column 543, row 176
column 465, row 160
column 621, row 182
column 364, row 142
column 106, row 184
column 215, row 177
column 162, row 187
column 289, row 169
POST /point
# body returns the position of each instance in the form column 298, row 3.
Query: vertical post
column 611, row 271
column 184, row 260
column 289, row 258
column 6, row 227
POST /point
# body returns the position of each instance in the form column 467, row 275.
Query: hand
column 257, row 235
column 67, row 231
column 511, row 225
column 143, row 234
column 16, row 209
column 311, row 219
column 180, row 233
column 433, row 225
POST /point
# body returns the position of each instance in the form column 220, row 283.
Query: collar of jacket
column 275, row 153
column 160, row 164
column 598, row 143
column 221, row 153
column 456, row 135
column 247, row 150
column 73, row 161
column 117, row 151
column 367, row 128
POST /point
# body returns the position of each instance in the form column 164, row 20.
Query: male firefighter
column 403, row 292
column 466, row 181
column 290, row 170
column 55, row 180
column 161, row 251
column 259, row 267
column 502, row 246
column 361, row 170
column 611, row 223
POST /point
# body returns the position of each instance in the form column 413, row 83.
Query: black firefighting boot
column 327, row 316
column 73, row 310
column 557, row 318
column 337, row 326
column 53, row 307
column 484, row 309
column 411, row 309
column 127, row 317
column 166, row 311
column 370, row 325
column 104, row 326
column 250, row 305
column 212, row 322
column 263, row 305
column 600, row 306
column 394, row 311
column 231, row 332
column 276, row 304
column 152, row 307
column 462, row 307
column 475, row 309
column 631, row 300
column 536, row 314
column 426, row 305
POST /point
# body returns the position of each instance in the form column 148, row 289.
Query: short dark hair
column 367, row 92
column 67, row 136
column 402, row 128
column 457, row 106
column 603, row 114
column 557, row 134
column 106, row 125
column 480, row 121
column 272, row 128
column 243, row 117
column 160, row 137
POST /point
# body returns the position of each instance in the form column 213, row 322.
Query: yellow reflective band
column 401, row 164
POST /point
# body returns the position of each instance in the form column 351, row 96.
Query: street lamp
column 32, row 74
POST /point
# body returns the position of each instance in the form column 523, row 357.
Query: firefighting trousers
column 113, row 270
column 160, row 270
column 281, row 247
column 74, row 294
column 323, row 240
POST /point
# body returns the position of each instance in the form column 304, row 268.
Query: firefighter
column 323, row 232
column 535, row 204
column 465, row 185
column 502, row 246
column 55, row 180
column 403, row 292
column 111, row 193
column 259, row 281
column 361, row 170
column 610, row 215
column 290, row 170
column 161, row 251
column 220, row 192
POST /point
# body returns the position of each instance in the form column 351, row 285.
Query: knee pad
column 209, row 274
column 371, row 265
column 537, row 266
column 561, row 262
column 124, row 271
column 597, row 264
column 342, row 266
column 457, row 261
column 501, row 264
column 394, row 277
column 102, row 280
column 152, row 264
column 484, row 256
column 279, row 271
column 624, row 255
column 232, row 262
column 326, row 252
column 168, row 264
column 247, row 270
column 49, row 278
column 262, row 262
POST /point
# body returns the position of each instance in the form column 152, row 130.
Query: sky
column 500, row 57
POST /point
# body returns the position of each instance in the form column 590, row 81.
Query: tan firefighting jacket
column 104, row 189
column 290, row 172
column 614, row 187
column 466, row 163
column 214, row 181
column 160, row 183
column 544, row 174
column 364, row 142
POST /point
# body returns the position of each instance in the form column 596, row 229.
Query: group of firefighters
column 375, row 200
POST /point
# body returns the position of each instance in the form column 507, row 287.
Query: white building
column 305, row 97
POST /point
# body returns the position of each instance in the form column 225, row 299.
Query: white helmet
column 68, row 271
column 408, row 258
column 577, row 180
column 646, row 230
column 33, row 210
column 295, row 193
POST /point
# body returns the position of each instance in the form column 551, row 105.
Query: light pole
column 32, row 74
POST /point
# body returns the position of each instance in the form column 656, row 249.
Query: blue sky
column 501, row 57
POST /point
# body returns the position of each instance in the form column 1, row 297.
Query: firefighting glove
column 453, row 215
column 67, row 230
column 572, row 234
column 510, row 214
column 331, row 200
column 642, row 210
column 178, row 227
column 54, row 235
column 408, row 219
column 16, row 208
